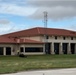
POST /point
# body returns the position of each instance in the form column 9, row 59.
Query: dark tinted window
column 55, row 37
column 64, row 38
column 71, row 38
column 33, row 49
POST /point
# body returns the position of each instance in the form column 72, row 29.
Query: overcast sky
column 16, row 15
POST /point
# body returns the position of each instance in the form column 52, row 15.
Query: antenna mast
column 45, row 19
column 45, row 25
column 45, row 32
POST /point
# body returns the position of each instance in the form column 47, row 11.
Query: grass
column 10, row 64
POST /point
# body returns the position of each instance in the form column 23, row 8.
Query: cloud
column 72, row 27
column 4, row 21
column 51, row 3
column 8, row 28
column 6, row 8
column 17, row 2
column 8, row 25
column 11, row 27
column 57, row 9
column 55, row 13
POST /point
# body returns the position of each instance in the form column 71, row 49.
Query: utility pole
column 45, row 32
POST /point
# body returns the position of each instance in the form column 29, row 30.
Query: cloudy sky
column 16, row 15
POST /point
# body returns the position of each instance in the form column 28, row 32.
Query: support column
column 17, row 49
column 24, row 50
column 44, row 49
column 52, row 48
column 69, row 49
column 4, row 51
column 60, row 49
column 12, row 51
column 75, row 48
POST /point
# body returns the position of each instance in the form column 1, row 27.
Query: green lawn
column 10, row 64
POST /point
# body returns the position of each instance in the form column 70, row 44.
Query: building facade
column 38, row 41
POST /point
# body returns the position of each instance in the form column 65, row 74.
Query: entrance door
column 56, row 48
column 8, row 50
column 1, row 50
column 21, row 49
column 47, row 48
column 65, row 48
column 72, row 48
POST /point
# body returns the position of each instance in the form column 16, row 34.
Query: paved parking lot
column 71, row 71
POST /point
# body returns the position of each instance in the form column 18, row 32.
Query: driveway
column 71, row 71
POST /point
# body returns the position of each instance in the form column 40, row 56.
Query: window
column 55, row 37
column 21, row 49
column 8, row 50
column 1, row 50
column 71, row 38
column 47, row 37
column 33, row 49
column 63, row 38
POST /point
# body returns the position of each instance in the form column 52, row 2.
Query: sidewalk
column 71, row 71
